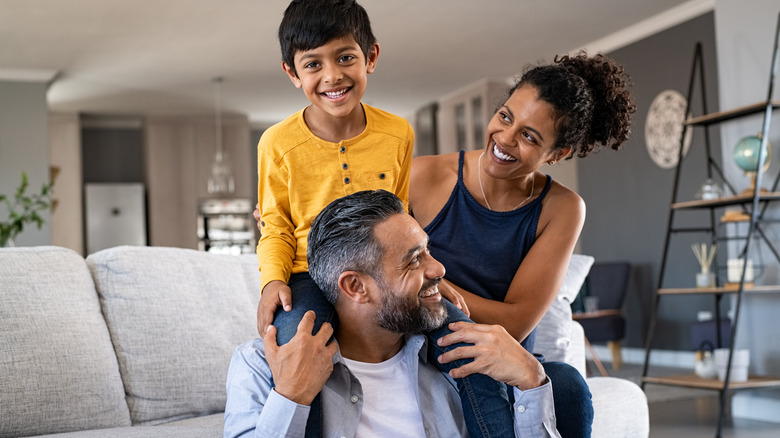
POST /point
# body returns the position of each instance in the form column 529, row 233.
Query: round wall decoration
column 663, row 128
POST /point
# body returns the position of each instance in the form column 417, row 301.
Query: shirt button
column 346, row 180
column 354, row 399
column 381, row 176
column 344, row 166
column 342, row 149
column 521, row 409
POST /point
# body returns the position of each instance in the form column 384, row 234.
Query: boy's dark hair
column 308, row 24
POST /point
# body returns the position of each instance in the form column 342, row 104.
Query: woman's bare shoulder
column 562, row 199
column 432, row 180
column 436, row 164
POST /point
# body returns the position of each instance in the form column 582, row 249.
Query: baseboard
column 756, row 406
column 663, row 358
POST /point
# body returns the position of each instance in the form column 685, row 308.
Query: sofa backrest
column 58, row 371
column 175, row 316
column 554, row 333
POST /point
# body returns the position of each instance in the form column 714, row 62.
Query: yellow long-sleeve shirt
column 299, row 174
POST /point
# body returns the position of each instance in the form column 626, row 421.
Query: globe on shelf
column 746, row 158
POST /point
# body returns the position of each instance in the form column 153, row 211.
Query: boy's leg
column 486, row 406
column 306, row 295
column 573, row 405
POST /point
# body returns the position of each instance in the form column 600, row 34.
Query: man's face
column 409, row 295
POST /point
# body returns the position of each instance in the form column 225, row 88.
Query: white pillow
column 579, row 266
column 553, row 334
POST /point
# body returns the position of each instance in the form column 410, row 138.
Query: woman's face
column 520, row 136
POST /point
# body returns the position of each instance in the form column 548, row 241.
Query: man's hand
column 447, row 291
column 301, row 367
column 496, row 354
column 276, row 293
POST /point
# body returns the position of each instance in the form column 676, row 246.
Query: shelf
column 729, row 289
column 725, row 201
column 709, row 119
column 694, row 381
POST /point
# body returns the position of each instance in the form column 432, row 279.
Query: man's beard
column 408, row 315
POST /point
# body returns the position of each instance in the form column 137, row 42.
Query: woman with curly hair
column 503, row 230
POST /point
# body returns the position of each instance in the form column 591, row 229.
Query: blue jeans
column 486, row 407
column 306, row 295
column 573, row 405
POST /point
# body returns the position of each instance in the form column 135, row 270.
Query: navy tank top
column 482, row 249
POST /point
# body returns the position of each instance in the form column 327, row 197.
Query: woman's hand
column 256, row 215
column 447, row 291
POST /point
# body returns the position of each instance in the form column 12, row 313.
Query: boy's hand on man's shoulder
column 276, row 293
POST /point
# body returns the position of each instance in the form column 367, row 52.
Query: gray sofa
column 136, row 341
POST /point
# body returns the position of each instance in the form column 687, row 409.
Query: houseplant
column 22, row 209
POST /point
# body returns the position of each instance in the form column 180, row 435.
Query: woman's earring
column 551, row 162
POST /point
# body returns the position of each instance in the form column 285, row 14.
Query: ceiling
column 135, row 57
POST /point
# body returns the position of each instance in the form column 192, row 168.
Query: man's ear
column 373, row 55
column 353, row 285
column 291, row 74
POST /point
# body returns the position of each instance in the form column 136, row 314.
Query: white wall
column 745, row 37
column 65, row 155
column 24, row 146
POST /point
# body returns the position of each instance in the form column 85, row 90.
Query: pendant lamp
column 221, row 180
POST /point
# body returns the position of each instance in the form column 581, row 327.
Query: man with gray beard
column 371, row 261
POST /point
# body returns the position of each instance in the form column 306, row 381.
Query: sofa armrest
column 620, row 408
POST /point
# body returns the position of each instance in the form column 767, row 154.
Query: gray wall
column 24, row 146
column 628, row 196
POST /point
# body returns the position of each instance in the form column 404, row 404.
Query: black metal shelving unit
column 753, row 205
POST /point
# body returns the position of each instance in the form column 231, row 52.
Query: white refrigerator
column 115, row 214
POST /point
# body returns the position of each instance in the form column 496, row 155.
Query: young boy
column 334, row 147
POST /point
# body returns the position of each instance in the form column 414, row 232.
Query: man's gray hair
column 342, row 237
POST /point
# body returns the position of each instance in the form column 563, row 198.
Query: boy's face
column 333, row 76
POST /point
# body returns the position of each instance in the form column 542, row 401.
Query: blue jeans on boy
column 486, row 408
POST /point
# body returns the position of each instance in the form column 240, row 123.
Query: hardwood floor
column 688, row 417
column 694, row 418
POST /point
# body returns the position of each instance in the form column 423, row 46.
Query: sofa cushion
column 209, row 426
column 58, row 371
column 553, row 334
column 175, row 316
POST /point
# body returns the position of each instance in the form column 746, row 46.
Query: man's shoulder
column 251, row 352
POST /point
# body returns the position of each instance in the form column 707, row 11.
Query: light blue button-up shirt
column 254, row 409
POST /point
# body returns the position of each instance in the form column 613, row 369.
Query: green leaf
column 23, row 208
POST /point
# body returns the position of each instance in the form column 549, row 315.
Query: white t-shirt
column 390, row 407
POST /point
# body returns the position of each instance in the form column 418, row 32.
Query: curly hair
column 590, row 99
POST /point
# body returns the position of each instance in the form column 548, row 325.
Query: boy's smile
column 333, row 77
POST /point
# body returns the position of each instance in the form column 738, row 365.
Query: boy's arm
column 276, row 248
